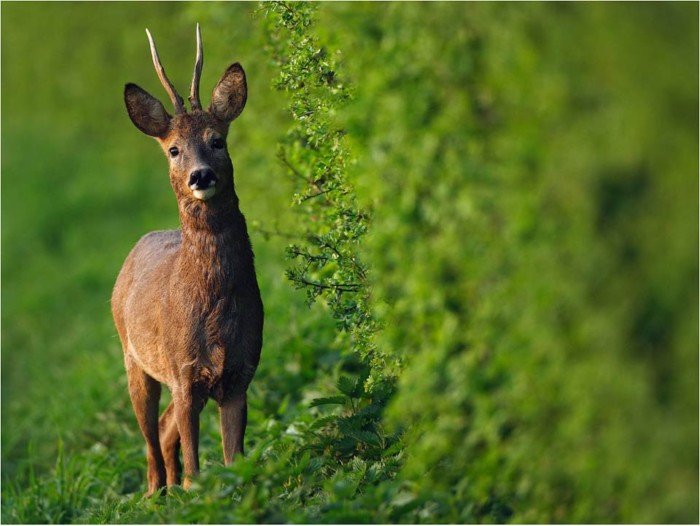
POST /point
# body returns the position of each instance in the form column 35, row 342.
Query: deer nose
column 201, row 179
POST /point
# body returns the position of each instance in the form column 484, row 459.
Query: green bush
column 535, row 247
column 331, row 227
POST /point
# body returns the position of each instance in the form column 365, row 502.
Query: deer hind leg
column 170, row 445
column 233, row 411
column 145, row 395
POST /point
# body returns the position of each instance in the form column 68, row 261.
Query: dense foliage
column 492, row 210
column 549, row 323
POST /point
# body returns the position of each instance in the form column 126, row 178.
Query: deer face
column 196, row 150
column 194, row 142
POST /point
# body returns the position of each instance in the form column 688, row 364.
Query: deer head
column 194, row 142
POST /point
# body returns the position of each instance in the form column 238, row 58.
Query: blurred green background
column 532, row 172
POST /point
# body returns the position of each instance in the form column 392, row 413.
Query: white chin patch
column 204, row 194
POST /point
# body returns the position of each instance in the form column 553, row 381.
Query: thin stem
column 344, row 287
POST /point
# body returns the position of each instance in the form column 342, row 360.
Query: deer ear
column 230, row 94
column 146, row 112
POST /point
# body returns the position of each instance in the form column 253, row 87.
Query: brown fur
column 186, row 303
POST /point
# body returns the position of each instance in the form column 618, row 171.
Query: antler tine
column 178, row 103
column 199, row 63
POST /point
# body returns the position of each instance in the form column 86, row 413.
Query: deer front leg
column 188, row 405
column 170, row 445
column 233, row 411
column 145, row 394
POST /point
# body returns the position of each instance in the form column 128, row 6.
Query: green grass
column 63, row 377
column 84, row 189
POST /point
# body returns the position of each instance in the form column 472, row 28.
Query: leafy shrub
column 513, row 159
column 330, row 224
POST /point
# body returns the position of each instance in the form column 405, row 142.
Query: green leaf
column 328, row 400
column 366, row 437
column 346, row 386
column 323, row 422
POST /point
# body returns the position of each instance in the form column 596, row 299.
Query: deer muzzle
column 202, row 182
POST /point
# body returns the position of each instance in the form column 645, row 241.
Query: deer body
column 186, row 303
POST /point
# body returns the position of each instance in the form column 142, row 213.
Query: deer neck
column 212, row 238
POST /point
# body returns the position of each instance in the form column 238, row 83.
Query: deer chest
column 221, row 343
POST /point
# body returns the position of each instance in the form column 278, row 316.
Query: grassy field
column 532, row 178
column 88, row 185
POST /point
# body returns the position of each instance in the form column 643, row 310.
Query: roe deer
column 186, row 303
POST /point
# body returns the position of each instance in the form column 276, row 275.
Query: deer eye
column 217, row 143
column 174, row 151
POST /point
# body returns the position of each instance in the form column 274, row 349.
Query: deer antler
column 199, row 62
column 177, row 100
